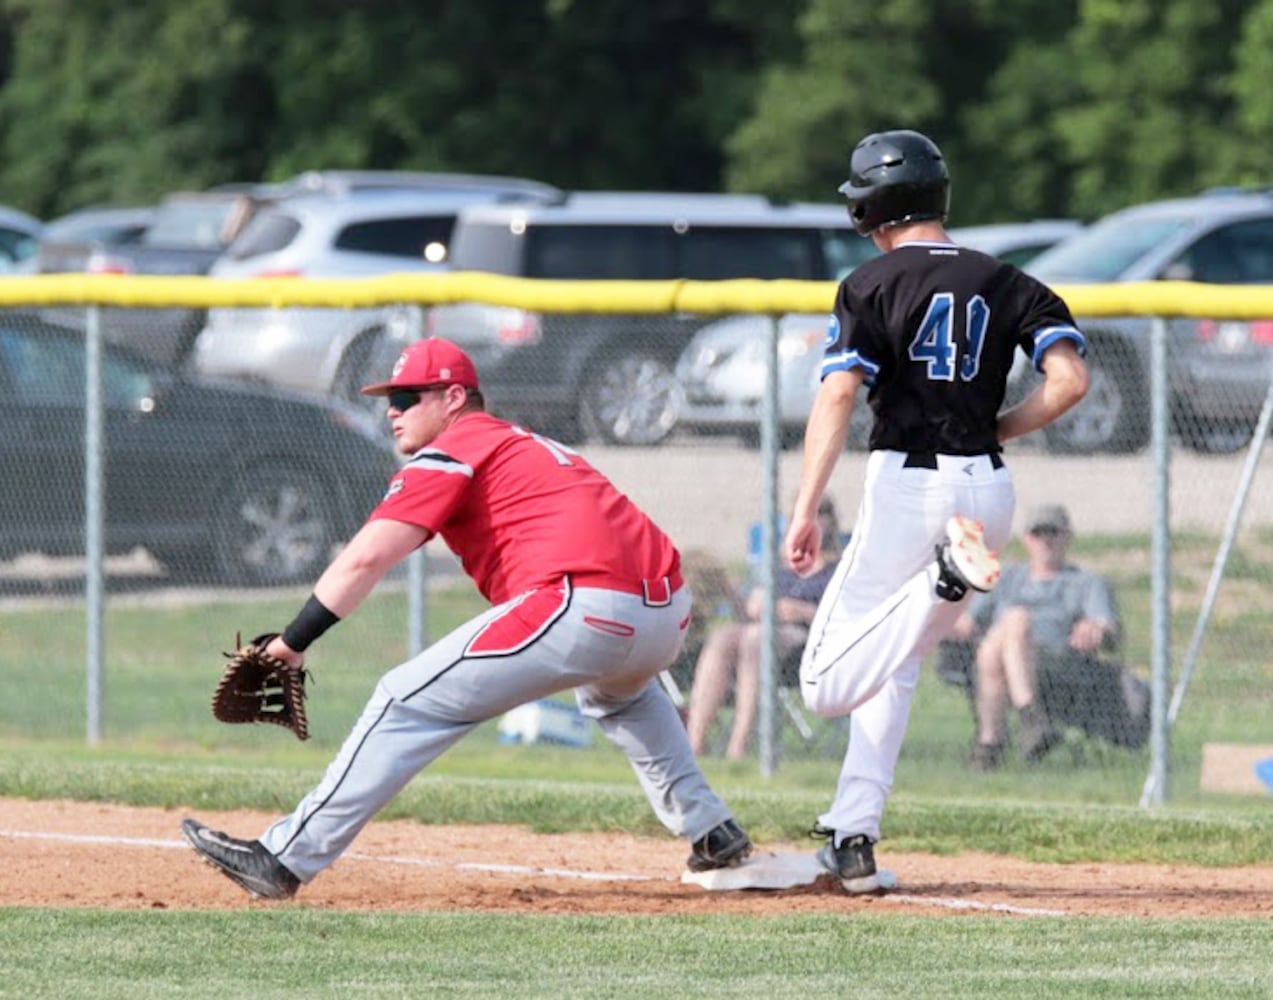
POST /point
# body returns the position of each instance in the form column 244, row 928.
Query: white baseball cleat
column 964, row 561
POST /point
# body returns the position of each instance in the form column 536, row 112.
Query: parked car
column 612, row 377
column 1016, row 242
column 186, row 233
column 340, row 231
column 723, row 369
column 1219, row 372
column 249, row 485
column 724, row 372
column 82, row 240
column 344, row 181
column 19, row 234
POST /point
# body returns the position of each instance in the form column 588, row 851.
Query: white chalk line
column 506, row 869
column 970, row 904
column 502, row 869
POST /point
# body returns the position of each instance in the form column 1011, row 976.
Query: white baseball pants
column 881, row 615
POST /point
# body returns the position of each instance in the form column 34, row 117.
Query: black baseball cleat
column 245, row 862
column 963, row 561
column 723, row 846
column 853, row 862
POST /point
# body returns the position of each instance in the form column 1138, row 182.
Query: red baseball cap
column 432, row 361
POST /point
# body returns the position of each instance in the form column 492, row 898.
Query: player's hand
column 804, row 542
column 282, row 651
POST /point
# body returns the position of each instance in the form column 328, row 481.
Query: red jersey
column 521, row 510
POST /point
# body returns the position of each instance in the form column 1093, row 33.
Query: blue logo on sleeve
column 833, row 329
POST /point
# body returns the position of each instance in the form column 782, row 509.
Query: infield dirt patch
column 76, row 854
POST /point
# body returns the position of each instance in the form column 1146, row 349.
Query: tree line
column 1044, row 108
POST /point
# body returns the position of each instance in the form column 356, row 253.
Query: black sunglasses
column 403, row 399
column 1046, row 531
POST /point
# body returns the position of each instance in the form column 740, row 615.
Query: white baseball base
column 769, row 870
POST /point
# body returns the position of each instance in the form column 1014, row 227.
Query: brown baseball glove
column 257, row 687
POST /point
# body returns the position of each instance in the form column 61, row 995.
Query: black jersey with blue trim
column 935, row 327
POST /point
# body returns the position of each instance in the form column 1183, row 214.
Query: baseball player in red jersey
column 586, row 593
column 931, row 329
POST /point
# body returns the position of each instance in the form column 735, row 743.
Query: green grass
column 162, row 662
column 298, row 952
column 162, row 748
column 554, row 790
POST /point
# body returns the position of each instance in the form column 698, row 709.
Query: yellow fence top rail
column 1159, row 298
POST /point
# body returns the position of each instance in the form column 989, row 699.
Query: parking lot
column 706, row 492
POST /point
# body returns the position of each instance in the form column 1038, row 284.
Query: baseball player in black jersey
column 930, row 328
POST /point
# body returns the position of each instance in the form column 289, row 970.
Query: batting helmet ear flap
column 897, row 176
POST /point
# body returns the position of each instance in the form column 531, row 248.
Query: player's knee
column 817, row 699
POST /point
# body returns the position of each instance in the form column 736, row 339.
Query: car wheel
column 1111, row 417
column 187, row 563
column 1216, row 437
column 275, row 526
column 637, row 400
column 368, row 358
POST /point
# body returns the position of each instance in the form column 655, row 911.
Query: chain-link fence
column 229, row 476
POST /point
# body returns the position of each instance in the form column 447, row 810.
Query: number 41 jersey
column 934, row 327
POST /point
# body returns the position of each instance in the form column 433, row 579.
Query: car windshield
column 196, row 223
column 268, row 232
column 1106, row 250
column 844, row 250
column 49, row 370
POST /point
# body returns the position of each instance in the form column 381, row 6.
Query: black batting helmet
column 897, row 176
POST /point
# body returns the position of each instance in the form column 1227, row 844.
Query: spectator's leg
column 992, row 690
column 1019, row 664
column 1021, row 670
column 711, row 682
column 746, row 691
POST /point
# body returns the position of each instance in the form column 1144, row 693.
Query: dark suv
column 1219, row 371
column 613, row 376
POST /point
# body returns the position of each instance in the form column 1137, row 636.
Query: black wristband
column 314, row 619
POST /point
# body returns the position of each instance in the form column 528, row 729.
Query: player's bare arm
column 824, row 439
column 377, row 547
column 1064, row 384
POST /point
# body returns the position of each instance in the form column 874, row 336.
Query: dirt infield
column 73, row 854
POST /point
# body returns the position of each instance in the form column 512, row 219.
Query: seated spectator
column 1043, row 631
column 731, row 651
column 716, row 599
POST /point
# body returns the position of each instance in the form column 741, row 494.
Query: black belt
column 928, row 460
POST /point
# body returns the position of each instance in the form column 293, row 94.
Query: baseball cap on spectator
column 428, row 362
column 1048, row 516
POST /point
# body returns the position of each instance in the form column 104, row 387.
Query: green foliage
column 110, row 103
column 1067, row 109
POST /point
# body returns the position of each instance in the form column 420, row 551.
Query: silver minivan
column 361, row 228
